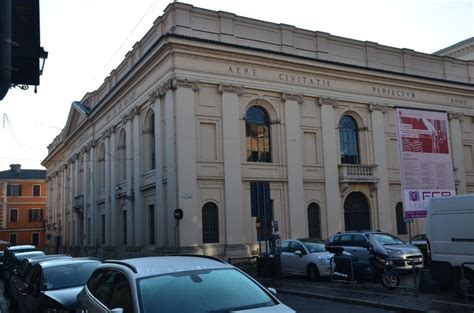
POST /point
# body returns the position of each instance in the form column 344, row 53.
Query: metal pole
column 409, row 231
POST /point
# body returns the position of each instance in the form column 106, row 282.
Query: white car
column 307, row 257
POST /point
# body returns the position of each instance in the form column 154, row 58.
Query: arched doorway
column 356, row 212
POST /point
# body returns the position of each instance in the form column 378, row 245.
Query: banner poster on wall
column 426, row 168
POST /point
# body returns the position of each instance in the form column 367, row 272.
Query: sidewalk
column 373, row 295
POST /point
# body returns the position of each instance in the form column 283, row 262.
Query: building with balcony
column 234, row 120
column 23, row 197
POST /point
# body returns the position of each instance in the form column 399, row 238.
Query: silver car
column 401, row 253
column 164, row 284
column 306, row 257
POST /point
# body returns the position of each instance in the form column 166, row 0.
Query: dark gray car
column 357, row 244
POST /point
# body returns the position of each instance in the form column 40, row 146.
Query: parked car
column 174, row 284
column 14, row 259
column 306, row 257
column 53, row 285
column 20, row 280
column 357, row 244
column 7, row 254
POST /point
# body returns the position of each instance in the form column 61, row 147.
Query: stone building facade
column 232, row 119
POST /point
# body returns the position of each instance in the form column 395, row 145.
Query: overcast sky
column 87, row 39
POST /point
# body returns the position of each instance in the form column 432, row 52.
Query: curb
column 373, row 304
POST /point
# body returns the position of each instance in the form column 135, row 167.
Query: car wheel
column 461, row 285
column 313, row 272
column 390, row 279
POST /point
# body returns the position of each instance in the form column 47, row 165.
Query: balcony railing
column 356, row 173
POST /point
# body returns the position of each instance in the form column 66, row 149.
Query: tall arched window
column 121, row 156
column 349, row 140
column 210, row 223
column 101, row 167
column 314, row 221
column 401, row 225
column 257, row 129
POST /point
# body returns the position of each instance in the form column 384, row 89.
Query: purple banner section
column 415, row 214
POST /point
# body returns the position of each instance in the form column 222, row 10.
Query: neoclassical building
column 231, row 120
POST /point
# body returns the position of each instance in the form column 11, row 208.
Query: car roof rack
column 130, row 266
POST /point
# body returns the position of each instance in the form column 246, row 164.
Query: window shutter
column 40, row 215
column 30, row 215
column 19, row 190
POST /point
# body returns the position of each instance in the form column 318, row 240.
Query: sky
column 87, row 39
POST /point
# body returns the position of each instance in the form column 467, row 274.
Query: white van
column 450, row 232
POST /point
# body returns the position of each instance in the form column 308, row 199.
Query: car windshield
column 387, row 239
column 315, row 246
column 218, row 290
column 68, row 275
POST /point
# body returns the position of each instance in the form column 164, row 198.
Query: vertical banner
column 426, row 167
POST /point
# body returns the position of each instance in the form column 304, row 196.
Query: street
column 303, row 304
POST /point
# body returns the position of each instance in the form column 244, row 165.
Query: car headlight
column 325, row 260
column 394, row 252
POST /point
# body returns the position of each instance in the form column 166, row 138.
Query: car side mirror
column 298, row 253
column 272, row 291
column 117, row 310
column 370, row 248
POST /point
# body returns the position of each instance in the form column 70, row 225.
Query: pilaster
column 138, row 226
column 457, row 151
column 233, row 207
column 298, row 220
column 385, row 211
column 335, row 215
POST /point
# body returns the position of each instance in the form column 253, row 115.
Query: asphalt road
column 309, row 305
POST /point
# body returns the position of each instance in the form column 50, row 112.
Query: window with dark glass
column 36, row 190
column 349, row 140
column 210, row 223
column 257, row 129
column 35, row 215
column 13, row 215
column 314, row 221
column 13, row 239
column 401, row 225
column 35, row 239
column 151, row 224
column 14, row 190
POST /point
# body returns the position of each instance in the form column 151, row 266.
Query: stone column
column 385, row 211
column 70, row 225
column 75, row 192
column 113, row 210
column 298, row 220
column 185, row 165
column 138, row 227
column 171, row 184
column 129, row 178
column 92, row 183
column 85, row 225
column 335, row 218
column 62, row 221
column 234, row 215
column 457, row 151
column 160, row 215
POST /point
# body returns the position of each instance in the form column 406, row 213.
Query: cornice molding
column 293, row 97
column 328, row 101
column 378, row 107
column 238, row 90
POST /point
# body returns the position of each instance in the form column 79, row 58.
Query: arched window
column 349, row 140
column 210, row 223
column 314, row 221
column 121, row 156
column 257, row 129
column 401, row 225
column 356, row 212
column 101, row 167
